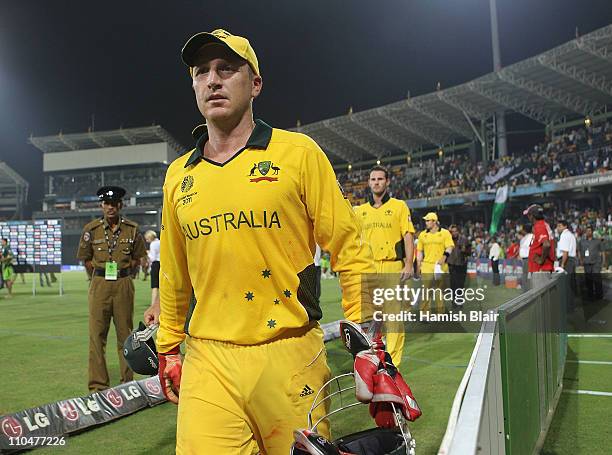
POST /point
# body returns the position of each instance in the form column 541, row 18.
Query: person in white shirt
column 151, row 315
column 566, row 252
column 494, row 253
column 566, row 247
column 525, row 237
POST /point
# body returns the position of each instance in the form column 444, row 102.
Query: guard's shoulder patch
column 86, row 236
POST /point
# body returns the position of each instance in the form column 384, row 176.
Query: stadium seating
column 575, row 152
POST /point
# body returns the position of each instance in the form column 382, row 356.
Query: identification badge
column 110, row 271
column 586, row 253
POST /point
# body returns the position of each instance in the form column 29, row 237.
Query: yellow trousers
column 242, row 400
column 436, row 303
column 394, row 331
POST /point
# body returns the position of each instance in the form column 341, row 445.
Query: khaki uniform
column 108, row 298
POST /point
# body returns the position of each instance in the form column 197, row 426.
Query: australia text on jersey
column 224, row 221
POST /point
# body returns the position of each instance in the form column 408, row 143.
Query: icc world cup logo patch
column 259, row 172
column 187, row 183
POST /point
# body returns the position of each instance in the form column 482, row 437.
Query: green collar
column 260, row 138
column 384, row 199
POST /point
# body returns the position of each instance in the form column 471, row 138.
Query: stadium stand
column 576, row 152
column 13, row 193
column 76, row 165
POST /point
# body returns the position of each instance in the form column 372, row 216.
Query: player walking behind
column 387, row 228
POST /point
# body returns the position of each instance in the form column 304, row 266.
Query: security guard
column 109, row 247
column 387, row 227
column 591, row 252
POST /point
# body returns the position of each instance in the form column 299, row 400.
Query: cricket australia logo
column 187, row 183
column 259, row 172
column 389, row 212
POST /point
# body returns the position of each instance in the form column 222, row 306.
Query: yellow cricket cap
column 239, row 45
column 431, row 216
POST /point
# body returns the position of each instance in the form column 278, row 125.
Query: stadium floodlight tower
column 502, row 145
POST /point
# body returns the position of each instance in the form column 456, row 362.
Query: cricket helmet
column 140, row 352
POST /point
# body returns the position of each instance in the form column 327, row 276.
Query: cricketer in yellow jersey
column 387, row 227
column 241, row 216
column 433, row 248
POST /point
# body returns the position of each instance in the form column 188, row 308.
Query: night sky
column 62, row 61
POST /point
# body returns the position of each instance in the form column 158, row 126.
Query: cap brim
column 193, row 45
column 526, row 212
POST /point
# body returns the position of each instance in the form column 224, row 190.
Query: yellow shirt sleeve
column 174, row 282
column 336, row 228
column 406, row 221
column 420, row 246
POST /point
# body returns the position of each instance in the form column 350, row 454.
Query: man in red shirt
column 512, row 251
column 542, row 248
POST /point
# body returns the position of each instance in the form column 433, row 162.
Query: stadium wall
column 512, row 385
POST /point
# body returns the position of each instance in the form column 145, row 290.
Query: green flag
column 498, row 208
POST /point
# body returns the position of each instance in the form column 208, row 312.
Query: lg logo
column 153, row 387
column 11, row 427
column 114, row 398
column 69, row 411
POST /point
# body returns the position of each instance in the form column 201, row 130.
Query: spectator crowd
column 574, row 152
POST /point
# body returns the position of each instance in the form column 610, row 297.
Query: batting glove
column 390, row 387
column 377, row 380
column 170, row 368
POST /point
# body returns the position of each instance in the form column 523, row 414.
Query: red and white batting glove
column 390, row 387
column 170, row 369
column 365, row 367
column 377, row 380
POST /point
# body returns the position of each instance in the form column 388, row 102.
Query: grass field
column 582, row 422
column 44, row 344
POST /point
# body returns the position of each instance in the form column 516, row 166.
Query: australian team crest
column 187, row 183
column 259, row 172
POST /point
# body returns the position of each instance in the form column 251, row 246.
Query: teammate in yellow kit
column 433, row 248
column 388, row 229
column 242, row 214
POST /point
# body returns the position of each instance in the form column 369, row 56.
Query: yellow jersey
column 242, row 235
column 433, row 246
column 384, row 227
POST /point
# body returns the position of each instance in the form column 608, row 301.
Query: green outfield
column 44, row 345
column 582, row 421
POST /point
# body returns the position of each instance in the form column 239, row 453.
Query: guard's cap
column 534, row 209
column 239, row 45
column 431, row 216
column 111, row 193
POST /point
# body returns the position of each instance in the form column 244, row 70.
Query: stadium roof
column 571, row 80
column 14, row 191
column 99, row 139
column 9, row 178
